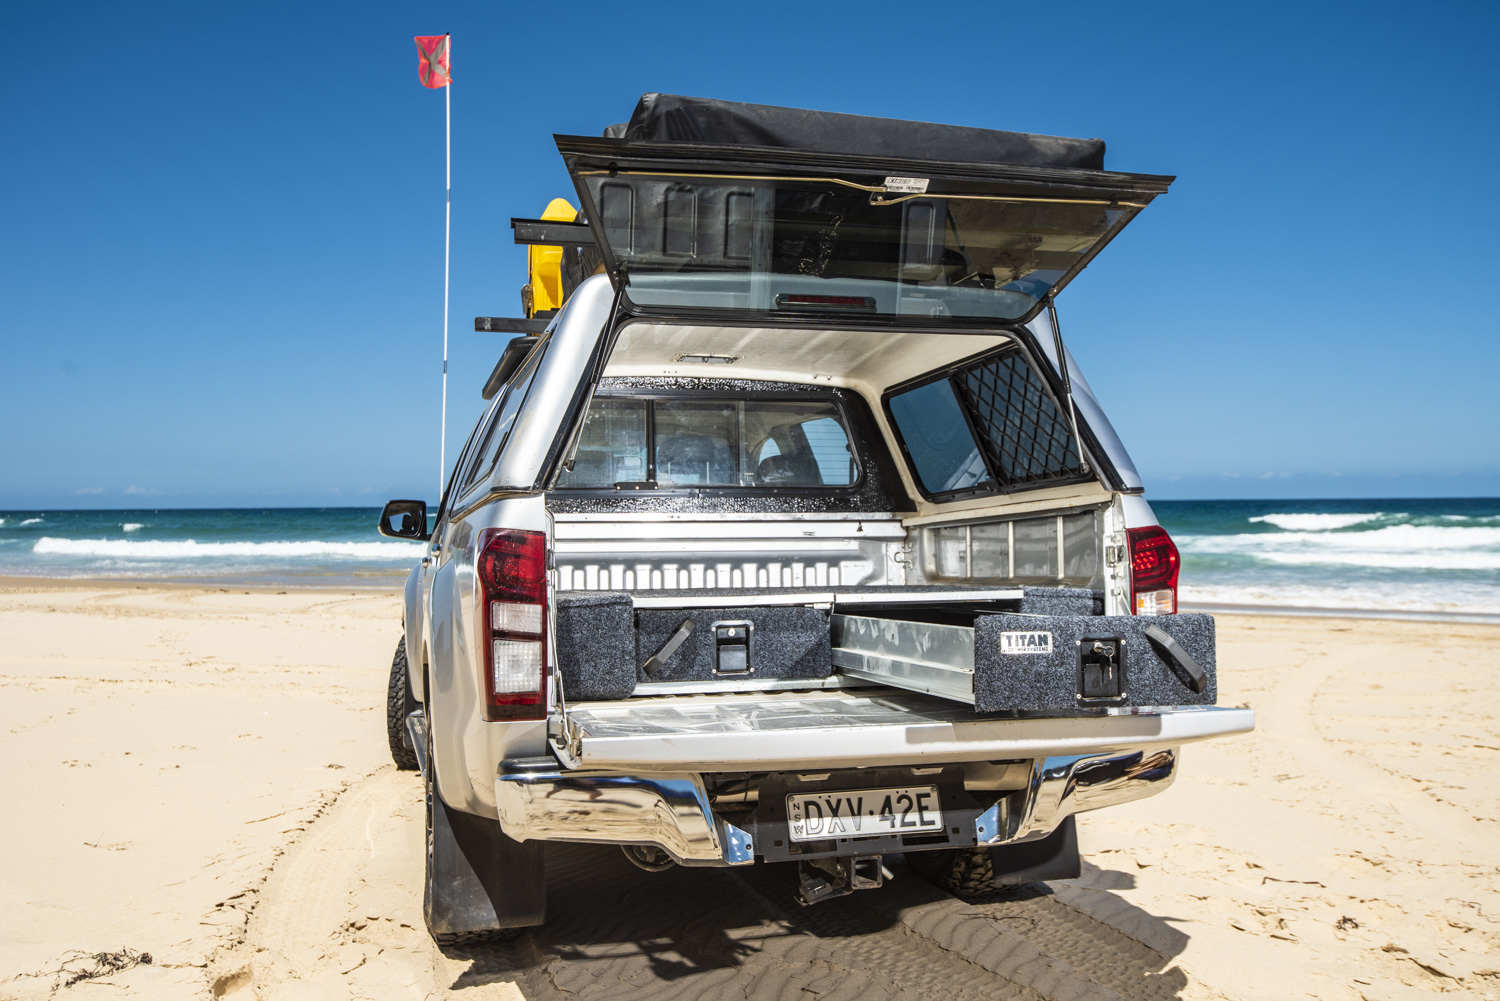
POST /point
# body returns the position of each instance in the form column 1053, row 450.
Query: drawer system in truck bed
column 997, row 650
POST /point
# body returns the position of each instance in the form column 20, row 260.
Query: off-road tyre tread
column 471, row 939
column 970, row 876
column 397, row 705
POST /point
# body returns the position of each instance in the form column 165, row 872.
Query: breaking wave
column 189, row 549
column 132, row 526
column 31, row 521
column 1316, row 522
column 1445, row 598
column 1396, row 547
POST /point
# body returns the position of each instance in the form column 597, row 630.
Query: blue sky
column 221, row 282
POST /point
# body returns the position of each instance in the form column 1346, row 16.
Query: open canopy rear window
column 825, row 245
column 704, row 205
column 986, row 426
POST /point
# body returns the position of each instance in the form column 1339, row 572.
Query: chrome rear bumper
column 536, row 799
column 539, row 800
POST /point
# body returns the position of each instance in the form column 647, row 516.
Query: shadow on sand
column 616, row 931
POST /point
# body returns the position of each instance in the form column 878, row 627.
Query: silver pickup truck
column 795, row 535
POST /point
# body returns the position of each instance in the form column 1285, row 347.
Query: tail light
column 1153, row 571
column 512, row 594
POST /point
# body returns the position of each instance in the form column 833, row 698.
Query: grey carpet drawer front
column 595, row 654
column 1076, row 661
column 605, row 645
column 1036, row 662
column 750, row 642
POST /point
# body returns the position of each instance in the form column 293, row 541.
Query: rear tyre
column 480, row 885
column 966, row 873
column 977, row 873
column 398, row 705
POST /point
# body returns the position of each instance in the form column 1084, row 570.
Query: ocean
column 335, row 546
column 1394, row 556
column 1409, row 556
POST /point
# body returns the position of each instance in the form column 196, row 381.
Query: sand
column 201, row 774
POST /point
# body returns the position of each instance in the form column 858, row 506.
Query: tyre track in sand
column 339, row 916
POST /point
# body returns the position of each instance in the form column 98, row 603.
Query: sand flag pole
column 434, row 59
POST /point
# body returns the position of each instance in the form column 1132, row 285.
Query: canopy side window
column 987, row 426
column 502, row 416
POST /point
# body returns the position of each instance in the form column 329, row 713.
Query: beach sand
column 201, row 774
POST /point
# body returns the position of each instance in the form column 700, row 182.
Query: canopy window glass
column 988, row 426
column 821, row 245
column 680, row 443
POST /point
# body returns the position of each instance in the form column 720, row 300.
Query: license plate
column 863, row 813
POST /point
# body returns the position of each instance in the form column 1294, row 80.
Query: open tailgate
column 771, row 731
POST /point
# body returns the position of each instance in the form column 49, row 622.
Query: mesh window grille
column 1025, row 437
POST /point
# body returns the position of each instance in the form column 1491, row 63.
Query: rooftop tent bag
column 675, row 119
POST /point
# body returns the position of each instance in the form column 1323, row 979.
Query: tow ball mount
column 822, row 878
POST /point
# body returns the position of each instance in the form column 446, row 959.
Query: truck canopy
column 710, row 206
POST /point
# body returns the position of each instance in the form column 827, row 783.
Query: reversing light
column 511, row 574
column 1154, row 563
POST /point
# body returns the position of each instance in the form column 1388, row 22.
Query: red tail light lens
column 511, row 622
column 1154, row 563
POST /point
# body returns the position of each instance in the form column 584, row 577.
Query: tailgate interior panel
column 769, row 731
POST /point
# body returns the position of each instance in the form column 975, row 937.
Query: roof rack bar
column 551, row 233
column 509, row 325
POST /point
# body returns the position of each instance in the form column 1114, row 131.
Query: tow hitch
column 823, row 878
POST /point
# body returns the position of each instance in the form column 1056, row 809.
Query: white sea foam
column 189, row 549
column 31, row 521
column 1316, row 522
column 1425, row 596
column 132, row 526
column 1401, row 547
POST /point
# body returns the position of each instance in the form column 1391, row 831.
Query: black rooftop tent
column 705, row 121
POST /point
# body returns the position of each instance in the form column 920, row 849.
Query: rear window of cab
column 737, row 443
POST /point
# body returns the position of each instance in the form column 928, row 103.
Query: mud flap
column 479, row 880
column 1052, row 857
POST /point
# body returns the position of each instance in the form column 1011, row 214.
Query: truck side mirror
column 404, row 519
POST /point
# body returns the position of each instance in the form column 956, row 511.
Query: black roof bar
column 542, row 232
column 510, row 325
